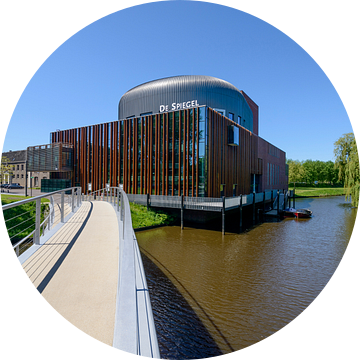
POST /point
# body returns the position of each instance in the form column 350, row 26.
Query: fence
column 201, row 203
column 27, row 220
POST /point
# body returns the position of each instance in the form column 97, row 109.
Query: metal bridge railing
column 134, row 324
column 30, row 218
column 200, row 203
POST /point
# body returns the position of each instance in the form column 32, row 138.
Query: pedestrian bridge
column 86, row 263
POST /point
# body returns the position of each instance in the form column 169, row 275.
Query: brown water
column 213, row 294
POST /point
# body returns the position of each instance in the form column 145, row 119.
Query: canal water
column 213, row 294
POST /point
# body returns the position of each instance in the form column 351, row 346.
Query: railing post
column 241, row 214
column 122, row 207
column 182, row 212
column 118, row 200
column 62, row 206
column 263, row 206
column 79, row 197
column 110, row 195
column 37, row 222
column 278, row 202
column 254, row 209
column 72, row 200
column 294, row 198
column 52, row 217
column 272, row 200
column 223, row 216
column 147, row 201
column 123, row 214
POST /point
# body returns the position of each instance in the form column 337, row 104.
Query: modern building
column 183, row 135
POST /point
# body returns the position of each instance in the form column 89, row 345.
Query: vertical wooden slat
column 189, row 150
column 125, row 155
column 157, row 157
column 147, row 139
column 173, row 156
column 106, row 155
column 184, row 154
column 167, row 156
column 154, row 145
column 92, row 158
column 179, row 167
column 116, row 178
column 163, row 155
column 121, row 151
column 193, row 155
column 133, row 162
column 210, row 163
column 197, row 152
column 150, row 153
column 141, row 155
column 130, row 154
column 146, row 154
column 111, row 154
column 88, row 165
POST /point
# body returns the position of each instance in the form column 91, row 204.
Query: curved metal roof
column 206, row 90
column 180, row 82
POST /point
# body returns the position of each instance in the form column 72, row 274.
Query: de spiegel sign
column 179, row 106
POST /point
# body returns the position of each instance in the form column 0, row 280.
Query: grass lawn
column 316, row 191
column 20, row 220
column 7, row 199
column 141, row 217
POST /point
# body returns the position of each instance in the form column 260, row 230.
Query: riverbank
column 143, row 218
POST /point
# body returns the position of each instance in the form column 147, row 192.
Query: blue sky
column 82, row 82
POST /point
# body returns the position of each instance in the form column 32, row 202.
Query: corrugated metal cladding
column 164, row 94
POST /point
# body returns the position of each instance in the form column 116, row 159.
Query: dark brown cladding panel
column 159, row 154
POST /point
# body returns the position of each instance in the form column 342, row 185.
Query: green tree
column 342, row 152
column 352, row 174
column 5, row 170
column 309, row 171
column 331, row 172
column 295, row 171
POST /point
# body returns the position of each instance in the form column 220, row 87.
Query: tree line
column 344, row 171
column 347, row 163
column 310, row 171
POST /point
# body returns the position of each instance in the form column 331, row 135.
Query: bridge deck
column 77, row 269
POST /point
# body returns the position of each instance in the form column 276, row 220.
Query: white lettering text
column 179, row 106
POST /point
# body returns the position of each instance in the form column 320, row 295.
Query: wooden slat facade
column 159, row 154
column 229, row 165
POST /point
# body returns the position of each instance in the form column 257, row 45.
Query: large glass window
column 202, row 158
column 231, row 116
column 139, row 165
column 153, row 155
column 170, row 152
column 161, row 152
column 176, row 155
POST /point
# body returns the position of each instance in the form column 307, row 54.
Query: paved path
column 77, row 270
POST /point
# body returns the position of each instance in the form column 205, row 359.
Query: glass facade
column 166, row 153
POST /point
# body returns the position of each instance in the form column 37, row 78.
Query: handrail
column 25, row 201
column 49, row 221
column 134, row 324
column 37, row 233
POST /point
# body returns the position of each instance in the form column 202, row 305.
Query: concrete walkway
column 77, row 270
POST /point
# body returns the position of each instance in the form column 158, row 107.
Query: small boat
column 303, row 213
column 289, row 212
